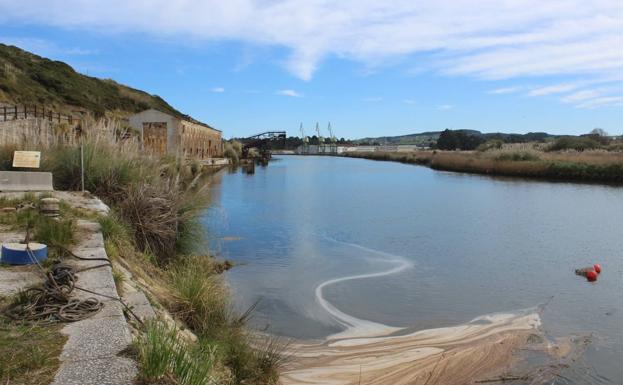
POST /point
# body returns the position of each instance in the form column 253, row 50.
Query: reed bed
column 526, row 160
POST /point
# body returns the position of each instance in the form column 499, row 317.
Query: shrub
column 233, row 151
column 574, row 143
column 493, row 144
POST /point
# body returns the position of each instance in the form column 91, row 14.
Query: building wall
column 183, row 138
column 138, row 121
column 198, row 141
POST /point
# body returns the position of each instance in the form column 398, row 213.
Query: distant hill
column 26, row 78
column 430, row 138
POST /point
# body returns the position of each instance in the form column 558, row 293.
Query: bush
column 493, row 144
column 574, row 143
column 233, row 151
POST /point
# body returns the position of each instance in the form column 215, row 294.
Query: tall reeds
column 523, row 160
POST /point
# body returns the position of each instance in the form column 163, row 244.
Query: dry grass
column 525, row 160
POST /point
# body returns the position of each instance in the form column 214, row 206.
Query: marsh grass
column 524, row 160
column 162, row 354
column 201, row 300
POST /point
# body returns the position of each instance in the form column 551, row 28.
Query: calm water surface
column 407, row 246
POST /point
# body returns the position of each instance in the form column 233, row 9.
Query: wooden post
column 15, row 116
column 35, row 111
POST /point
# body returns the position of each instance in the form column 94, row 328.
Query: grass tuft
column 162, row 354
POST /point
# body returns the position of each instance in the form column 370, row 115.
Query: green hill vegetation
column 26, row 78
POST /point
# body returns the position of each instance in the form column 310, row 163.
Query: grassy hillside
column 26, row 78
column 430, row 138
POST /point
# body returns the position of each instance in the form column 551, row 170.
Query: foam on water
column 357, row 327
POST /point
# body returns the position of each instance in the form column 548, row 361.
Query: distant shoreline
column 588, row 166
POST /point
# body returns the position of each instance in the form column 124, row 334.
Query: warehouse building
column 166, row 134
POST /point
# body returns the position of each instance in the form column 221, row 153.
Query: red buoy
column 591, row 276
column 597, row 268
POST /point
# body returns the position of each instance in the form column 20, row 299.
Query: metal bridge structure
column 263, row 142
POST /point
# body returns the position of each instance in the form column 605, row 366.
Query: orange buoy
column 591, row 276
column 597, row 268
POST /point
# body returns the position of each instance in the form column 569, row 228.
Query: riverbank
column 586, row 166
column 155, row 244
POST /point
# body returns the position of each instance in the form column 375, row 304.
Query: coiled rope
column 52, row 302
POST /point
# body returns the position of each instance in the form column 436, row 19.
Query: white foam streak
column 356, row 327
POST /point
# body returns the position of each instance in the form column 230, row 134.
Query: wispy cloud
column 445, row 107
column 409, row 101
column 555, row 89
column 290, row 93
column 372, row 99
column 217, row 90
column 506, row 90
column 488, row 40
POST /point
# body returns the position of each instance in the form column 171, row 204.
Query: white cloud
column 217, row 90
column 485, row 39
column 409, row 101
column 612, row 101
column 290, row 93
column 372, row 99
column 445, row 107
column 506, row 90
column 582, row 96
column 555, row 89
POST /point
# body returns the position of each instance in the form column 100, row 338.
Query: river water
column 331, row 244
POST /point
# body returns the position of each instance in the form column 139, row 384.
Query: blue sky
column 370, row 68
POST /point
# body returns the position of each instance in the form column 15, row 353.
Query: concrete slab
column 12, row 281
column 25, row 181
column 101, row 371
column 138, row 302
column 95, row 338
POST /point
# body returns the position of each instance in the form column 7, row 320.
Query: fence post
column 15, row 116
column 35, row 111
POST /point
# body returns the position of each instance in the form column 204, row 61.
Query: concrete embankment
column 94, row 352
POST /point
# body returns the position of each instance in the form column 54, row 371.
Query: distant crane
column 332, row 138
column 303, row 137
column 320, row 139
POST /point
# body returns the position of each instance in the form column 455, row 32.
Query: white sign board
column 27, row 159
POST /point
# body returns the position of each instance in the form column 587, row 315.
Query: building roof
column 187, row 118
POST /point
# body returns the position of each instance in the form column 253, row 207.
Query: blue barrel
column 16, row 253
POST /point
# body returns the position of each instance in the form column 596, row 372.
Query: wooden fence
column 33, row 111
